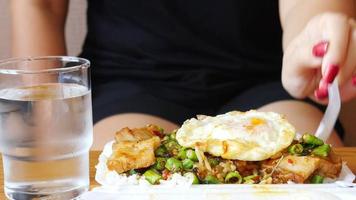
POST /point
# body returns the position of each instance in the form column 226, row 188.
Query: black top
column 185, row 51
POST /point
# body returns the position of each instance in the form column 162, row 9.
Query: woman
column 162, row 62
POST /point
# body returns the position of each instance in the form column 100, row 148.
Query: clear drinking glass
column 45, row 126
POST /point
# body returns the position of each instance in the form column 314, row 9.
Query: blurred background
column 75, row 33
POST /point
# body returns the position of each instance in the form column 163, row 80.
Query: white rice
column 114, row 180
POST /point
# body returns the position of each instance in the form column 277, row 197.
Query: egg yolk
column 253, row 123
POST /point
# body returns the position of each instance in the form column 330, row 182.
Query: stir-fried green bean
column 213, row 161
column 165, row 138
column 132, row 171
column 187, row 164
column 295, row 149
column 160, row 163
column 174, row 165
column 182, row 154
column 161, row 151
column 210, row 179
column 311, row 139
column 161, row 130
column 172, row 147
column 192, row 176
column 322, row 150
column 233, row 177
column 250, row 179
column 317, row 179
column 191, row 155
column 152, row 176
column 172, row 136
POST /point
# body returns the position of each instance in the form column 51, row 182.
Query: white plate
column 227, row 192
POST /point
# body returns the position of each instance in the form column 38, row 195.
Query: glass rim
column 82, row 63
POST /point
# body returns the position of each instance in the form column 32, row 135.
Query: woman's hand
column 324, row 50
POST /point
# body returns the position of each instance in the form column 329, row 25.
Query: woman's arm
column 295, row 14
column 38, row 27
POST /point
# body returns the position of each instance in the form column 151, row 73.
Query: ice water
column 45, row 136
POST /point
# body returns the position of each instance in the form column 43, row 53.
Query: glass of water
column 45, row 127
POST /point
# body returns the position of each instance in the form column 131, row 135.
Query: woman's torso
column 184, row 50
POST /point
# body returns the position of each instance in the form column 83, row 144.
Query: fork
column 331, row 114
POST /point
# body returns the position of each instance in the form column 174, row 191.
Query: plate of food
column 251, row 155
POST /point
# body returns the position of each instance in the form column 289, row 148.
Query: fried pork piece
column 331, row 166
column 134, row 148
column 300, row 168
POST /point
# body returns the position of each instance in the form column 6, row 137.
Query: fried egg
column 248, row 136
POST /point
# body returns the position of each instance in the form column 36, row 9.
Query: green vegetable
column 317, row 179
column 233, row 177
column 322, row 150
column 172, row 136
column 213, row 161
column 191, row 155
column 165, row 138
column 172, row 146
column 311, row 139
column 159, row 164
column 192, row 176
column 249, row 179
column 132, row 171
column 187, row 164
column 173, row 165
column 152, row 176
column 161, row 130
column 182, row 154
column 295, row 149
column 210, row 179
column 161, row 151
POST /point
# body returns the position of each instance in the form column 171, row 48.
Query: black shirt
column 185, row 51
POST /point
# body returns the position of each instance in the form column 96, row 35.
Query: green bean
column 132, row 171
column 295, row 149
column 161, row 151
column 311, row 139
column 210, row 179
column 165, row 138
column 233, row 177
column 182, row 154
column 317, row 179
column 187, row 164
column 173, row 165
column 192, row 176
column 250, row 179
column 160, row 163
column 152, row 176
column 172, row 136
column 161, row 130
column 191, row 155
column 322, row 151
column 213, row 161
column 172, row 146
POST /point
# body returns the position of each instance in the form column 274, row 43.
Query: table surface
column 348, row 155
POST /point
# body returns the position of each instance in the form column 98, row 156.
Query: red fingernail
column 354, row 80
column 322, row 91
column 321, row 94
column 331, row 73
column 320, row 49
